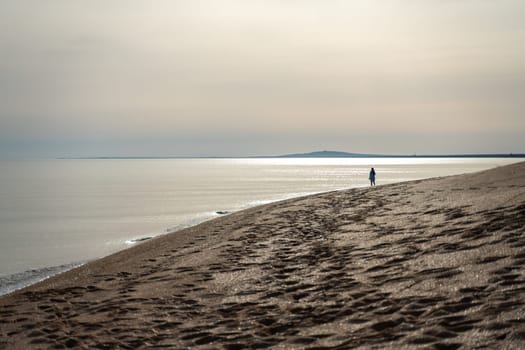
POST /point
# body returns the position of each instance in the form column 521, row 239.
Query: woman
column 372, row 177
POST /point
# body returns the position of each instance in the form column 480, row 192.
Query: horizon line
column 317, row 154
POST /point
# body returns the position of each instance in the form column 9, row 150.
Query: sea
column 61, row 213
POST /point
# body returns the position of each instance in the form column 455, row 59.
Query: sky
column 261, row 77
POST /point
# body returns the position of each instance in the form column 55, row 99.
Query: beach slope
column 435, row 264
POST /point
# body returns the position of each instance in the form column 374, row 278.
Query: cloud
column 134, row 70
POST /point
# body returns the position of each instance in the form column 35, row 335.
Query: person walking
column 372, row 177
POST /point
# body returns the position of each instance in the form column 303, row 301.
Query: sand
column 435, row 264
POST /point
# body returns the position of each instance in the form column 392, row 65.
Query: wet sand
column 432, row 264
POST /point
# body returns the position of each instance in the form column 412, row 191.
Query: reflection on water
column 57, row 212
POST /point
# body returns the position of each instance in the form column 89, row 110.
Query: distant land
column 326, row 154
column 337, row 154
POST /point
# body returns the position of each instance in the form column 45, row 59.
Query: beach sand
column 435, row 264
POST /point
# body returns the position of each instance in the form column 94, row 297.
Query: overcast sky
column 246, row 77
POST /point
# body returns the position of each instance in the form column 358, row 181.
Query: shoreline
column 133, row 243
column 34, row 276
column 77, row 224
column 434, row 262
column 20, row 280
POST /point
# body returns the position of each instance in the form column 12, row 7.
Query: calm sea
column 55, row 214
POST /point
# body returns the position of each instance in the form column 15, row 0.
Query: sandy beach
column 431, row 264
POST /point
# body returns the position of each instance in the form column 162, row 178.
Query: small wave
column 11, row 283
column 138, row 240
column 223, row 212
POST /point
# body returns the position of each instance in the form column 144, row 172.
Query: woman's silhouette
column 372, row 177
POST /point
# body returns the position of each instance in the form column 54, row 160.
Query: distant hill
column 337, row 154
column 327, row 154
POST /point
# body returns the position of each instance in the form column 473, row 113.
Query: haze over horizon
column 247, row 77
